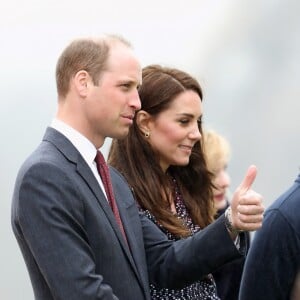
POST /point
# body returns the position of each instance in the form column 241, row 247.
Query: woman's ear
column 143, row 120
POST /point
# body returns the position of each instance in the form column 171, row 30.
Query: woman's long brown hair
column 137, row 161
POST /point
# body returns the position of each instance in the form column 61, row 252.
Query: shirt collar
column 80, row 142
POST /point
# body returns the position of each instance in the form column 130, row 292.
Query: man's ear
column 81, row 82
column 143, row 120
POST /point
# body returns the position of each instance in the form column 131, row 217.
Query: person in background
column 163, row 162
column 217, row 154
column 273, row 263
column 76, row 222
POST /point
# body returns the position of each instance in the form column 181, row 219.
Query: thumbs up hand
column 246, row 205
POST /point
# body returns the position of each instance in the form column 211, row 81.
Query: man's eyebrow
column 129, row 81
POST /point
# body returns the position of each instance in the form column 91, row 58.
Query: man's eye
column 184, row 121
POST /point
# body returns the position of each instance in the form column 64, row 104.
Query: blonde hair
column 216, row 149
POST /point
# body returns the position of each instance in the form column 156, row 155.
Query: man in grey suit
column 68, row 235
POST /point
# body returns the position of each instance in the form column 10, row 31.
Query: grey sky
column 245, row 54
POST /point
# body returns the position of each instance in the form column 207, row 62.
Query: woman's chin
column 220, row 204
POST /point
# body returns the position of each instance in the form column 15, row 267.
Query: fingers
column 250, row 198
column 249, row 179
column 250, row 226
column 246, row 205
column 249, row 212
column 250, row 217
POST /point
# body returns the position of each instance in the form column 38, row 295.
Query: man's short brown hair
column 86, row 54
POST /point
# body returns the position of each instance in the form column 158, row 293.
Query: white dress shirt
column 82, row 144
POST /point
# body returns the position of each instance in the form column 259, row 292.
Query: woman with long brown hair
column 163, row 162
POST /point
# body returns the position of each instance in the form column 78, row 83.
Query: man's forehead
column 120, row 51
column 125, row 64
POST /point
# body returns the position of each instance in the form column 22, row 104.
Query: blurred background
column 245, row 54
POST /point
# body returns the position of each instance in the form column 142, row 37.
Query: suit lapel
column 130, row 249
column 132, row 225
column 91, row 181
column 72, row 154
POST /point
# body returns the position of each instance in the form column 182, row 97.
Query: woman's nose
column 195, row 133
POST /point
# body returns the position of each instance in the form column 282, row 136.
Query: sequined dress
column 204, row 289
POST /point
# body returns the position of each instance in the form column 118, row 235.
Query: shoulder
column 289, row 199
column 43, row 161
column 278, row 238
column 284, row 212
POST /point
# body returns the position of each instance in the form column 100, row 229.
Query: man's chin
column 121, row 135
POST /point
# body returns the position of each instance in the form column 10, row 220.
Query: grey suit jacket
column 71, row 242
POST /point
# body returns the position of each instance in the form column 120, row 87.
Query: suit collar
column 84, row 146
column 67, row 149
column 65, row 146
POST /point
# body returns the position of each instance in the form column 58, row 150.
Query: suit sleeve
column 272, row 262
column 176, row 264
column 51, row 218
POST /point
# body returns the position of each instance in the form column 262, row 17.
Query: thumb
column 248, row 179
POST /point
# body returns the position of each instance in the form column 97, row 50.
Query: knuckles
column 251, row 209
column 247, row 210
column 251, row 197
column 250, row 218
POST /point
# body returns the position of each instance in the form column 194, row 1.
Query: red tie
column 104, row 174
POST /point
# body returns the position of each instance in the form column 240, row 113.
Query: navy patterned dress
column 204, row 289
